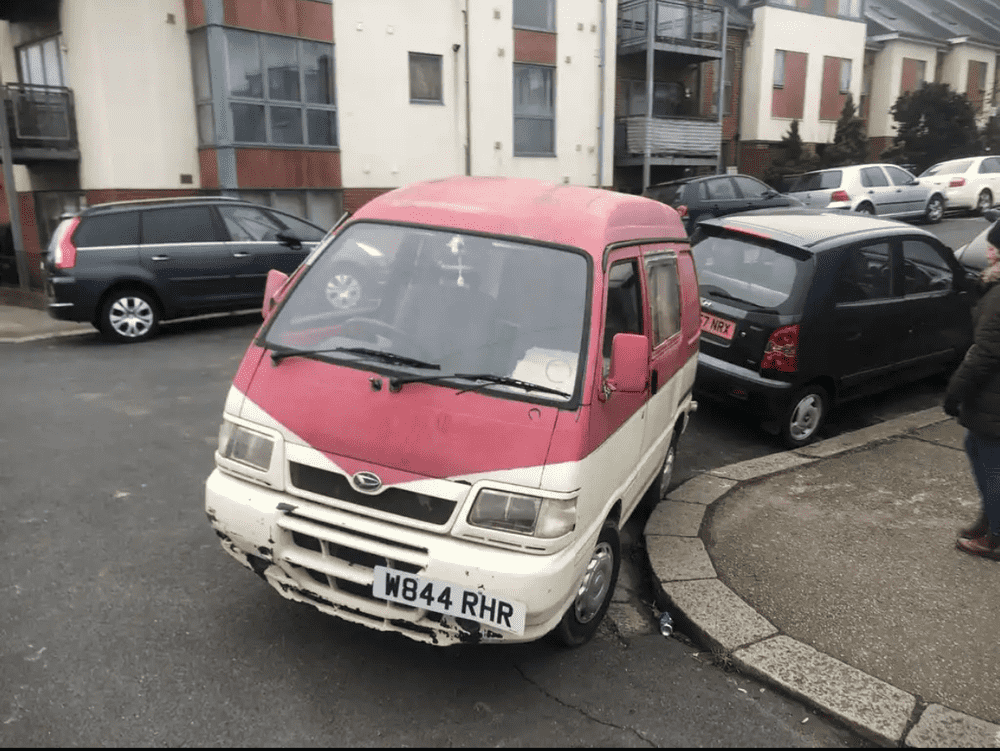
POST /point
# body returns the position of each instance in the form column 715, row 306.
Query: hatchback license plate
column 450, row 599
column 718, row 326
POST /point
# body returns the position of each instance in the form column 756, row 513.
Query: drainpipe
column 468, row 107
column 650, row 41
column 20, row 258
column 722, row 79
column 600, row 99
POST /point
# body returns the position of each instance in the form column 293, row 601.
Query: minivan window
column 184, row 224
column 249, row 224
column 664, row 297
column 303, row 230
column 744, row 269
column 118, row 228
column 818, row 181
column 456, row 302
column 624, row 306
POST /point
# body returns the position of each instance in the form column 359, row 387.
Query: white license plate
column 450, row 599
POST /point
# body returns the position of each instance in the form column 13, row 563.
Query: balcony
column 680, row 28
column 41, row 122
column 687, row 141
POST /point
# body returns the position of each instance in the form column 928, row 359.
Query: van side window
column 624, row 311
column 664, row 297
column 924, row 270
column 866, row 274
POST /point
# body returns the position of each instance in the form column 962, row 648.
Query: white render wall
column 815, row 35
column 887, row 78
column 387, row 141
column 955, row 71
column 130, row 71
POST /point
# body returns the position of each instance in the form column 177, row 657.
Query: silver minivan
column 885, row 190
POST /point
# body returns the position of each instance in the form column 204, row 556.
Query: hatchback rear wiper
column 715, row 292
column 488, row 379
column 378, row 354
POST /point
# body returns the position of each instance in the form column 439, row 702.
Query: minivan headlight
column 546, row 518
column 245, row 446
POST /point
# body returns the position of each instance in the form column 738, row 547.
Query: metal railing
column 676, row 23
column 40, row 117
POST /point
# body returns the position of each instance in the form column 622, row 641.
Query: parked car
column 455, row 464
column 697, row 198
column 126, row 266
column 971, row 184
column 803, row 311
column 885, row 190
column 972, row 255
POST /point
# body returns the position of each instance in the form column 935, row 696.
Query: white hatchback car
column 885, row 190
column 971, row 183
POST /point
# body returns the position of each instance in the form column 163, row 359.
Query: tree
column 794, row 159
column 934, row 123
column 850, row 142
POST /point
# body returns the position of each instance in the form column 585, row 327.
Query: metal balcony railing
column 677, row 23
column 669, row 137
column 41, row 120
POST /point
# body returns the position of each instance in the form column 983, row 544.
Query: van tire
column 129, row 315
column 805, row 416
column 584, row 615
column 661, row 485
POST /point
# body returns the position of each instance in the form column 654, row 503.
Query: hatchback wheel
column 935, row 210
column 984, row 202
column 129, row 315
column 804, row 418
column 593, row 596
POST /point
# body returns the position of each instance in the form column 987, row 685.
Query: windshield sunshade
column 403, row 299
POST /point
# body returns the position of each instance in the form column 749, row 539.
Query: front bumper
column 765, row 398
column 325, row 557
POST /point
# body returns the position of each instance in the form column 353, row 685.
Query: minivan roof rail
column 164, row 199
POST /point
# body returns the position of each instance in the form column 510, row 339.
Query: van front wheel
column 585, row 613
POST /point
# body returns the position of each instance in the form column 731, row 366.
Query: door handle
column 240, row 255
column 159, row 258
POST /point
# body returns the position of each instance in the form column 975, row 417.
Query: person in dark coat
column 973, row 396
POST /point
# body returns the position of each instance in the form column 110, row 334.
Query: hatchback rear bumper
column 724, row 382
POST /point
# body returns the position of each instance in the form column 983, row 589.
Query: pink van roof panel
column 585, row 218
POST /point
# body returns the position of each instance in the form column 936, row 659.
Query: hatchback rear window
column 818, row 181
column 119, row 228
column 743, row 269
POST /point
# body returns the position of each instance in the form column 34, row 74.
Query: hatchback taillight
column 782, row 350
column 839, row 195
column 956, row 182
column 64, row 251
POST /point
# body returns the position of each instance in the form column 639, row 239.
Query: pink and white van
column 455, row 403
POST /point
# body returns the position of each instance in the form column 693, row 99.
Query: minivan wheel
column 935, row 210
column 805, row 416
column 585, row 613
column 129, row 315
column 984, row 202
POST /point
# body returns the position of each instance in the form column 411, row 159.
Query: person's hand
column 951, row 406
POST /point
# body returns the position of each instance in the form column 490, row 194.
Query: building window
column 779, row 69
column 425, row 78
column 845, row 76
column 534, row 110
column 280, row 90
column 848, row 8
column 535, row 14
column 41, row 63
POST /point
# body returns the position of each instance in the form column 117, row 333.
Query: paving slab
column 882, row 431
column 872, row 707
column 676, row 518
column 940, row 727
column 678, row 558
column 720, row 617
column 762, row 466
column 704, row 489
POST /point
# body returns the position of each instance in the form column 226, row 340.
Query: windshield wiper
column 488, row 379
column 377, row 354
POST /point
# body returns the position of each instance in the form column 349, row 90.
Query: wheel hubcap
column 985, row 201
column 343, row 291
column 936, row 210
column 805, row 417
column 131, row 317
column 596, row 582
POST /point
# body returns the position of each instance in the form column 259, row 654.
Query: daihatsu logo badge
column 367, row 481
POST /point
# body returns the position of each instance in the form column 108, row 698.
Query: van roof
column 581, row 217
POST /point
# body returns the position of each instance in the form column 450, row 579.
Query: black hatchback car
column 802, row 310
column 697, row 198
column 128, row 265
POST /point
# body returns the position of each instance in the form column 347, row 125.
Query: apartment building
column 311, row 106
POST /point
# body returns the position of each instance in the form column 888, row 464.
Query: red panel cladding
column 276, row 16
column 355, row 198
column 209, row 165
column 195, row 12
column 788, row 101
column 315, row 20
column 908, row 81
column 831, row 100
column 29, row 234
column 534, row 47
column 287, row 168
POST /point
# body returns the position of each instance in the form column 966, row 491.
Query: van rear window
column 746, row 270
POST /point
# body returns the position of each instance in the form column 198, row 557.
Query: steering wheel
column 375, row 326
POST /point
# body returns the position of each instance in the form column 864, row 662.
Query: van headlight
column 546, row 518
column 245, row 446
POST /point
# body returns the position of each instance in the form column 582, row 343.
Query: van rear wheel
column 593, row 596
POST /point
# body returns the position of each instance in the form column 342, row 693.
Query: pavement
column 829, row 572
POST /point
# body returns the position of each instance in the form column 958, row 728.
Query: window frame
column 427, row 56
column 549, row 7
column 779, row 83
column 20, row 57
column 845, row 88
column 652, row 264
column 551, row 70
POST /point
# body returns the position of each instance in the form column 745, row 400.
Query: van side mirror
column 629, row 363
column 275, row 281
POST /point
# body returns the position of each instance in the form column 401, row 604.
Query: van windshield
column 740, row 268
column 404, row 299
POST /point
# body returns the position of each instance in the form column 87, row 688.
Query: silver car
column 886, row 190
